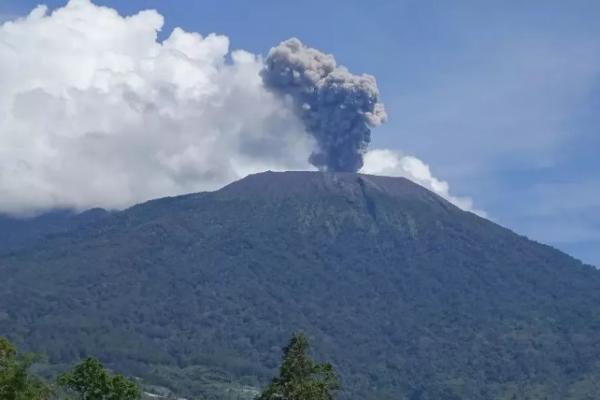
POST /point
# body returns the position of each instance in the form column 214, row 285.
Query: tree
column 300, row 378
column 91, row 381
column 16, row 383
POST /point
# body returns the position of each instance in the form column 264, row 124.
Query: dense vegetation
column 300, row 378
column 409, row 297
column 87, row 381
column 16, row 382
column 20, row 232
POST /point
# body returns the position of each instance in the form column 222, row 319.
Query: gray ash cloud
column 337, row 107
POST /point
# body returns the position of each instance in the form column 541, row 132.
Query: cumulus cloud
column 391, row 163
column 96, row 111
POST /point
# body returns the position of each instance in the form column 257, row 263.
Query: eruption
column 337, row 107
column 141, row 118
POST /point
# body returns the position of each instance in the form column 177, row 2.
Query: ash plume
column 152, row 118
column 337, row 107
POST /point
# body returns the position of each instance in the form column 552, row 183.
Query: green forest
column 409, row 297
column 299, row 378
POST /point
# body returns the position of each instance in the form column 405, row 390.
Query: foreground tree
column 91, row 381
column 300, row 378
column 16, row 383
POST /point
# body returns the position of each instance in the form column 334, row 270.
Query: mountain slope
column 19, row 233
column 409, row 296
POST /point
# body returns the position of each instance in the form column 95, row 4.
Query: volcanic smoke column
column 337, row 107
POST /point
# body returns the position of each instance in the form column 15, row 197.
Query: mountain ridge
column 408, row 295
column 19, row 232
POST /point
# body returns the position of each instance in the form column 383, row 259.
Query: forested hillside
column 21, row 232
column 408, row 296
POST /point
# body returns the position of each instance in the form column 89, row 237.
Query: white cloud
column 391, row 163
column 95, row 111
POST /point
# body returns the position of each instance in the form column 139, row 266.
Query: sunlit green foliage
column 89, row 380
column 300, row 378
column 16, row 381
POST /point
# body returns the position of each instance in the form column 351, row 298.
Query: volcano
column 408, row 296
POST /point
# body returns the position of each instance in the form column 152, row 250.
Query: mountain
column 19, row 233
column 408, row 296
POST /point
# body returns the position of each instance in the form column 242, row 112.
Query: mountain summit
column 410, row 297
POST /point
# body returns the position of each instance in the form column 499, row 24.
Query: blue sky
column 499, row 98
